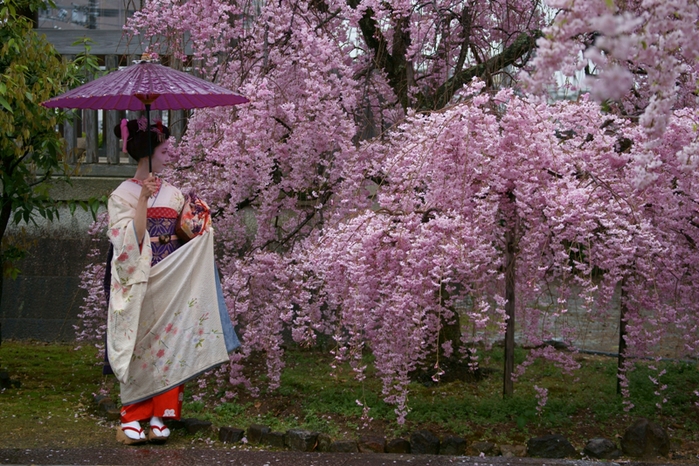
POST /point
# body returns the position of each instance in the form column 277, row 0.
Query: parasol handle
column 150, row 148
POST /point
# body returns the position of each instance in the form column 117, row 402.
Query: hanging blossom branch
column 92, row 323
column 391, row 208
column 644, row 54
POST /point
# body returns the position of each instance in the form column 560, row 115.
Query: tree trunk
column 450, row 331
column 623, row 310
column 5, row 213
column 508, row 385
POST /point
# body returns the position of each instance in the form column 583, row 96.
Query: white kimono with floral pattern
column 164, row 326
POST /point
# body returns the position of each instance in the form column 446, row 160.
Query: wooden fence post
column 91, row 136
column 71, row 137
column 91, row 130
column 111, row 119
column 178, row 123
column 69, row 130
column 132, row 114
column 177, row 118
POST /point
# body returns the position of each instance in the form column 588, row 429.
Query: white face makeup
column 161, row 156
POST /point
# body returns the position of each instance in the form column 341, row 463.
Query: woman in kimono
column 167, row 321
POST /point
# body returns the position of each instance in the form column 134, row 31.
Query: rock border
column 642, row 439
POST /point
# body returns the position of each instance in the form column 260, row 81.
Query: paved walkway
column 146, row 456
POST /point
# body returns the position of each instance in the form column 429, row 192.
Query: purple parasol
column 132, row 87
column 146, row 85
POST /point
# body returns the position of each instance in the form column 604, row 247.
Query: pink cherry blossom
column 352, row 210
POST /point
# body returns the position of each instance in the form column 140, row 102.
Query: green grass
column 55, row 400
column 61, row 378
column 582, row 405
column 58, row 384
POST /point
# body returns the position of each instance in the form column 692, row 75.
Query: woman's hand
column 149, row 187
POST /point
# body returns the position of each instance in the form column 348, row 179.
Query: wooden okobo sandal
column 158, row 437
column 121, row 436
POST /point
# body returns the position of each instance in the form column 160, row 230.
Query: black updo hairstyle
column 137, row 142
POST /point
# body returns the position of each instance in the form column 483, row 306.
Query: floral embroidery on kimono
column 164, row 324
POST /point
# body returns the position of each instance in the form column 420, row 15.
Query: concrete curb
column 138, row 456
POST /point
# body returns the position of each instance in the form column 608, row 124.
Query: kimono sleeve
column 131, row 263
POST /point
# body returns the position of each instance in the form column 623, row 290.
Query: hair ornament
column 142, row 123
column 124, row 134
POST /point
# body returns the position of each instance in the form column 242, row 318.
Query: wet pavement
column 145, row 456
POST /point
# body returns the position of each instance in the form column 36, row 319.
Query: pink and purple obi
column 161, row 227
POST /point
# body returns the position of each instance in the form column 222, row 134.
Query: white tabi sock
column 161, row 430
column 133, row 434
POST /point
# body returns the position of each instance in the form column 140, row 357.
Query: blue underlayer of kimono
column 232, row 341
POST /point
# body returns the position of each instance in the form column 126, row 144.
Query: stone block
column 551, row 446
column 371, row 444
column 601, row 448
column 452, row 445
column 176, row 424
column 424, row 442
column 255, row 433
column 194, row 425
column 513, row 451
column 324, row 442
column 398, row 445
column 344, row 446
column 645, row 439
column 273, row 439
column 301, row 440
column 230, row 434
column 487, row 448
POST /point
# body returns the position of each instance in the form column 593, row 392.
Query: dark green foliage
column 30, row 147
